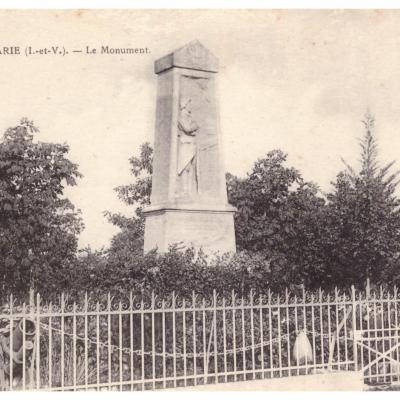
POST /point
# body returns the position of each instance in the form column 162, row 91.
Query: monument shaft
column 188, row 200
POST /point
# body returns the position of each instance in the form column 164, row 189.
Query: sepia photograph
column 199, row 200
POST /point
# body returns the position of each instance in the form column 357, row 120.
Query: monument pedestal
column 209, row 229
column 189, row 205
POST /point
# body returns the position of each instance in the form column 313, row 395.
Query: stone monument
column 189, row 203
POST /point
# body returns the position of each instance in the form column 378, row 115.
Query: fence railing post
column 354, row 327
column 11, row 329
column 37, row 341
column 215, row 336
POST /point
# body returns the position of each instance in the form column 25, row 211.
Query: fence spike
column 31, row 297
column 336, row 294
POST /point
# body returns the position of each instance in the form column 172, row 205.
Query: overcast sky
column 298, row 81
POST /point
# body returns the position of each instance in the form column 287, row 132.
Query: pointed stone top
column 191, row 56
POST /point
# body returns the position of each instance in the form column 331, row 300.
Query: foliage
column 38, row 226
column 278, row 215
column 183, row 272
column 362, row 220
column 286, row 232
column 130, row 239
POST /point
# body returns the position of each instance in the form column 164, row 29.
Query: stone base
column 332, row 381
column 211, row 230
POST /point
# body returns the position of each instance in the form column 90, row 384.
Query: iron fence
column 152, row 343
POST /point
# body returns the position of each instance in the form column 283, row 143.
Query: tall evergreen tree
column 362, row 237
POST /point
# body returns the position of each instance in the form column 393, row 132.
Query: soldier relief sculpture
column 187, row 150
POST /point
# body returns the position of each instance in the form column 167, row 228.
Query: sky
column 299, row 81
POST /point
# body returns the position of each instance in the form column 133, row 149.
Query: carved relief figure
column 187, row 150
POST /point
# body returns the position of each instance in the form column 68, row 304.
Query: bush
column 175, row 271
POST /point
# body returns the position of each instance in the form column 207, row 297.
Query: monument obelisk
column 189, row 205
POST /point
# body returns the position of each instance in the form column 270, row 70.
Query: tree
column 137, row 194
column 278, row 215
column 363, row 219
column 38, row 226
